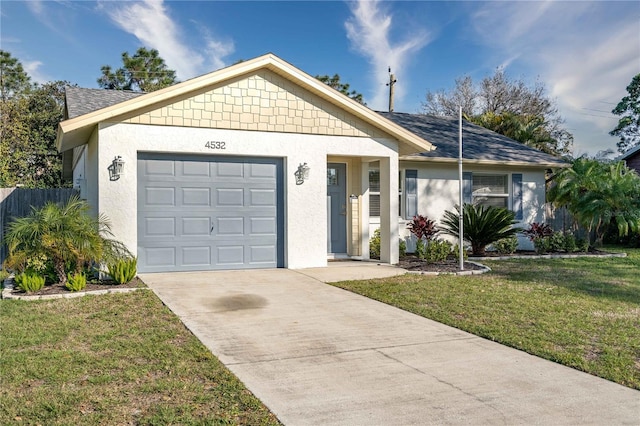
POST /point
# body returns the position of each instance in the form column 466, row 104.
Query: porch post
column 389, row 252
column 364, row 210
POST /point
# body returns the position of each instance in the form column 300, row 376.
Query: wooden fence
column 17, row 202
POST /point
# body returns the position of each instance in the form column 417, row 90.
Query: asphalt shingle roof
column 478, row 143
column 82, row 101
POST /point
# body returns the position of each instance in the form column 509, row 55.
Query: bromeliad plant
column 482, row 225
column 65, row 235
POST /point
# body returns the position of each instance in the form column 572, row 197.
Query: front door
column 337, row 208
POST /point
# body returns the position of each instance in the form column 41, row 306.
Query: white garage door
column 202, row 213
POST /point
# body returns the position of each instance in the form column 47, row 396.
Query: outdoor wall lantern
column 116, row 168
column 302, row 173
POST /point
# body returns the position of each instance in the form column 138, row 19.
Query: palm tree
column 482, row 225
column 65, row 235
column 598, row 193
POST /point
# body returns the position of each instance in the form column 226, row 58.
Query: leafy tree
column 28, row 155
column 65, row 235
column 628, row 128
column 599, row 193
column 482, row 225
column 341, row 87
column 145, row 71
column 13, row 78
column 508, row 107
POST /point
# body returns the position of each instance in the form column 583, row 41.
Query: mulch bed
column 91, row 286
column 412, row 263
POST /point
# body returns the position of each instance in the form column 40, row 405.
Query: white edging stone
column 9, row 285
column 484, row 269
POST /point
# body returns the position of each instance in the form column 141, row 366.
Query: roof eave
column 447, row 160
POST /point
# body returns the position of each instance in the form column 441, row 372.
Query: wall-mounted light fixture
column 302, row 173
column 116, row 168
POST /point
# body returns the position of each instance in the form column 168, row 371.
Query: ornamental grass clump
column 123, row 270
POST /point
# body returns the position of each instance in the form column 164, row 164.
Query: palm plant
column 65, row 235
column 482, row 225
column 597, row 194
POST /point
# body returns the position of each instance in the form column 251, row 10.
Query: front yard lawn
column 113, row 359
column 584, row 313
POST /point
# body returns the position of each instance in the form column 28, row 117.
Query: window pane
column 332, row 176
column 374, row 205
column 489, row 184
column 374, row 180
column 491, row 201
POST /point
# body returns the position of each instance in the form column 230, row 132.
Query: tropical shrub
column 597, row 194
column 3, row 275
column 423, row 228
column 29, row 281
column 542, row 245
column 123, row 270
column 65, row 235
column 76, row 282
column 569, row 244
column 483, row 225
column 506, row 245
column 402, row 247
column 583, row 245
column 437, row 251
column 537, row 230
column 556, row 242
column 374, row 245
column 456, row 253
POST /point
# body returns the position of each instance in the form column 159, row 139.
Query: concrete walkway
column 319, row 355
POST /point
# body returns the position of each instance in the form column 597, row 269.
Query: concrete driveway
column 319, row 355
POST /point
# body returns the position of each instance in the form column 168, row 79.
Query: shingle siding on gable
column 261, row 102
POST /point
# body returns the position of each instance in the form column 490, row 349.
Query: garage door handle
column 211, row 232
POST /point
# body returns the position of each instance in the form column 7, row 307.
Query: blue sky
column 586, row 53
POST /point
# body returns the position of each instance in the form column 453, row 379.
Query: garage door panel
column 262, row 197
column 159, row 257
column 160, row 227
column 230, row 197
column 261, row 254
column 230, row 226
column 159, row 168
column 230, row 255
column 196, row 226
column 262, row 226
column 196, row 169
column 230, row 169
column 202, row 213
column 263, row 171
column 196, row 197
column 196, row 256
column 160, row 196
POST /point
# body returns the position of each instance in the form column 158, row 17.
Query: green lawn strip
column 584, row 313
column 113, row 359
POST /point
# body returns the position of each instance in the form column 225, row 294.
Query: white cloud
column 369, row 32
column 585, row 52
column 33, row 70
column 151, row 23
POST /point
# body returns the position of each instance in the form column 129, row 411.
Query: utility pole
column 391, row 83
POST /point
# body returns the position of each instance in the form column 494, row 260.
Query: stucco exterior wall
column 305, row 205
column 438, row 191
column 264, row 102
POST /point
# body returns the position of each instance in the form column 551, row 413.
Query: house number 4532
column 215, row 145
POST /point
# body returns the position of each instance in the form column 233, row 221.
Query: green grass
column 584, row 313
column 113, row 359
